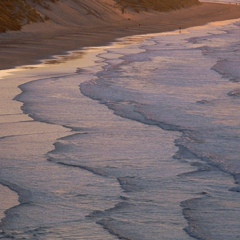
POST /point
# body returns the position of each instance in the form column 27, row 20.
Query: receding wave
column 172, row 86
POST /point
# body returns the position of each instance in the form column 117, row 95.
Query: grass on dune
column 157, row 5
column 15, row 13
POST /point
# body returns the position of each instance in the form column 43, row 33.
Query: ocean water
column 138, row 140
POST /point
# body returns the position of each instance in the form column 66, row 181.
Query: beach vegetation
column 156, row 5
column 16, row 13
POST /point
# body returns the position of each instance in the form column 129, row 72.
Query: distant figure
column 180, row 30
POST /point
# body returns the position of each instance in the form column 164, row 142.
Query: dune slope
column 16, row 13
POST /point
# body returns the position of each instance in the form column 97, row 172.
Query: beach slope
column 71, row 25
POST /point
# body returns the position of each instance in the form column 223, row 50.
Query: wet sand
column 8, row 199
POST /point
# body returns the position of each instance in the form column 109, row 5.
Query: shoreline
column 43, row 40
column 24, row 47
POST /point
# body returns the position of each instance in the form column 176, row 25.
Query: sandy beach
column 42, row 40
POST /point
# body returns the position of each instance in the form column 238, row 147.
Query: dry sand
column 71, row 32
column 40, row 41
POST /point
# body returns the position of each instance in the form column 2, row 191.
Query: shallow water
column 155, row 157
column 187, row 83
column 222, row 1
